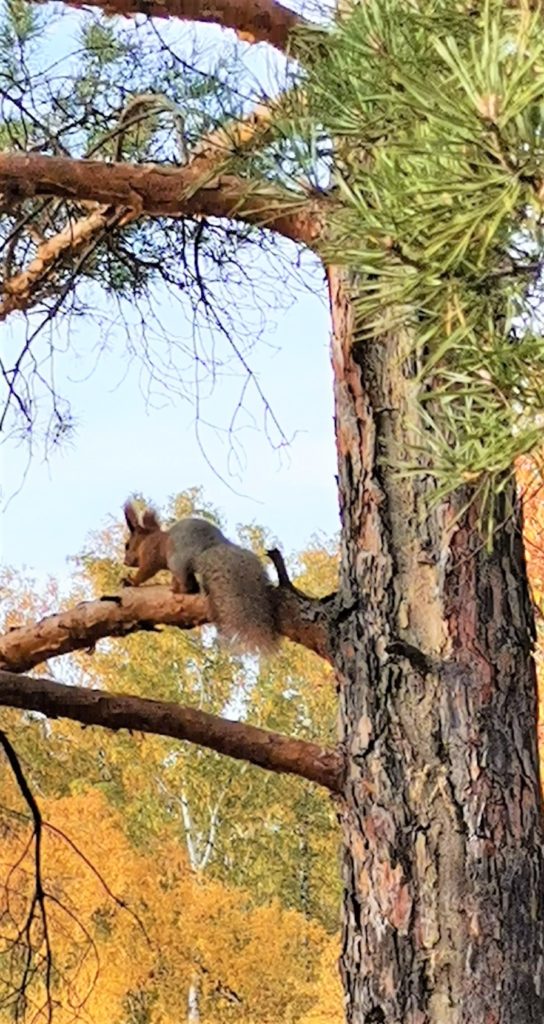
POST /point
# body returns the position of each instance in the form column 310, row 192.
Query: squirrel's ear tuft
column 150, row 520
column 131, row 516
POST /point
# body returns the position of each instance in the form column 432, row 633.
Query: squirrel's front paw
column 127, row 582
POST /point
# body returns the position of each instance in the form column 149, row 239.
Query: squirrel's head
column 139, row 532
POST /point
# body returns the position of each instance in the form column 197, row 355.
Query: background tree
column 113, row 912
column 530, row 483
column 429, row 120
column 251, row 852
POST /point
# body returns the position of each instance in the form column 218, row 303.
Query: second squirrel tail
column 240, row 597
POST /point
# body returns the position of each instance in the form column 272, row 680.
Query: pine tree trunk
column 444, row 855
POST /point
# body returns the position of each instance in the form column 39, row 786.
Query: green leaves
column 437, row 117
column 100, row 42
column 22, row 22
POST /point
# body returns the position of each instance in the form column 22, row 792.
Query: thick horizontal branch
column 254, row 21
column 147, row 189
column 301, row 619
column 207, row 157
column 266, row 749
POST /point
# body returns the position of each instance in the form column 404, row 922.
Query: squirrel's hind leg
column 184, row 580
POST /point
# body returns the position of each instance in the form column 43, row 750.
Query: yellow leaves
column 20, row 599
column 78, row 901
column 530, row 477
column 134, row 805
column 319, row 569
column 327, row 1005
column 126, row 925
column 275, row 986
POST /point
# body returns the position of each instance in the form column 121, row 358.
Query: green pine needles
column 436, row 110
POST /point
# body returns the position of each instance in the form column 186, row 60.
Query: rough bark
column 300, row 618
column 266, row 749
column 444, row 897
column 254, row 21
column 162, row 192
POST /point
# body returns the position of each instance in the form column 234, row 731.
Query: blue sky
column 122, row 446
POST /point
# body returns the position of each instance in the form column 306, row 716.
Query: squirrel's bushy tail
column 240, row 596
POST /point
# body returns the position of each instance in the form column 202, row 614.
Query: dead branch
column 254, row 21
column 164, row 192
column 284, row 579
column 269, row 750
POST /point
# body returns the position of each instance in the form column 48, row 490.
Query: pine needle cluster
column 435, row 113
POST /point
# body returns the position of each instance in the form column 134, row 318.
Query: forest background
column 146, row 841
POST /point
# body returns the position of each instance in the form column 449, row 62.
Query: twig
column 38, row 898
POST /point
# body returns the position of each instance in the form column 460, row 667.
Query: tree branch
column 37, row 910
column 18, row 290
column 269, row 750
column 254, row 21
column 193, row 190
column 208, row 157
column 302, row 619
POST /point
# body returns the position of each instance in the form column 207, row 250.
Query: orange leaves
column 327, row 1007
column 232, row 873
column 128, row 923
column 530, row 475
column 85, row 923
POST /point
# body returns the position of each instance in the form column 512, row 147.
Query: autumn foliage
column 131, row 928
column 167, row 869
column 531, row 484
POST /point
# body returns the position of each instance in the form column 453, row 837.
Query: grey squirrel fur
column 199, row 556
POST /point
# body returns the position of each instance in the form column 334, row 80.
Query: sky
column 124, row 445
column 121, row 447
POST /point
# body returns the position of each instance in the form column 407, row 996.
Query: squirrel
column 200, row 557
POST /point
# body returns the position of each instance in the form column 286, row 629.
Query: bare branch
column 302, row 619
column 192, row 190
column 37, row 909
column 56, row 831
column 254, row 21
column 269, row 750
